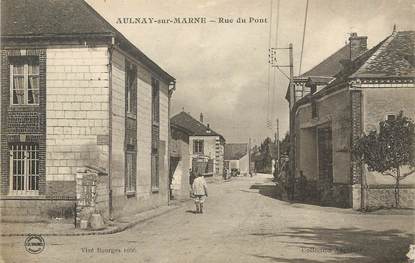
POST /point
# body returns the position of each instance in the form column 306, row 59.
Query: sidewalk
column 66, row 229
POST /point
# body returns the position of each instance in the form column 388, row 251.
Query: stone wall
column 76, row 110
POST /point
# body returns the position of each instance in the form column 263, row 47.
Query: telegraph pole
column 291, row 178
column 273, row 62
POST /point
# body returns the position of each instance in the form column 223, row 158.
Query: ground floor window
column 24, row 168
column 131, row 172
column 155, row 171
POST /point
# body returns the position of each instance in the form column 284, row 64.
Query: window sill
column 131, row 115
column 130, row 194
column 155, row 190
column 34, row 107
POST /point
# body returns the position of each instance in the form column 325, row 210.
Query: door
column 325, row 163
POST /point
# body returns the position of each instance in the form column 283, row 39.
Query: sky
column 222, row 69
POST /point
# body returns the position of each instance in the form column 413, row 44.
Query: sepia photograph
column 207, row 131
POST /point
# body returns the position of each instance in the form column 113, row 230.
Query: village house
column 236, row 157
column 206, row 147
column 346, row 95
column 78, row 97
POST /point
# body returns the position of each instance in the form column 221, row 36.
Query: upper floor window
column 155, row 101
column 314, row 111
column 198, row 146
column 24, row 81
column 131, row 88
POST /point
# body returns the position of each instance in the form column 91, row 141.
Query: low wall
column 384, row 196
column 338, row 195
column 36, row 210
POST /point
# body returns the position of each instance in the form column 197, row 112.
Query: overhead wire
column 302, row 44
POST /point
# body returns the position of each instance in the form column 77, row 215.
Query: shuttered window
column 155, row 134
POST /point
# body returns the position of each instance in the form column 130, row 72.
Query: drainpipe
column 170, row 93
column 110, row 51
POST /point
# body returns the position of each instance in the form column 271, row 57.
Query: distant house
column 236, row 157
column 179, row 162
column 206, row 147
column 76, row 93
column 346, row 95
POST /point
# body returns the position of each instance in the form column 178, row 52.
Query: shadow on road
column 267, row 190
column 333, row 244
column 191, row 211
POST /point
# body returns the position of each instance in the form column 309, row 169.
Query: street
column 243, row 222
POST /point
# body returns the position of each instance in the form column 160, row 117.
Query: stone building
column 76, row 93
column 206, row 147
column 346, row 95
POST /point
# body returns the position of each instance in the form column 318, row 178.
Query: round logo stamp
column 34, row 244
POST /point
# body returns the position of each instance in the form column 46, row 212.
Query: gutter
column 170, row 93
column 110, row 51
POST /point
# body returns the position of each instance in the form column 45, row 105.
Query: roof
column 235, row 151
column 195, row 127
column 327, row 68
column 59, row 18
column 393, row 58
column 331, row 65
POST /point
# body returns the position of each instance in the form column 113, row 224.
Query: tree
column 386, row 151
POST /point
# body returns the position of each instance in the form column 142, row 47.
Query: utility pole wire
column 302, row 44
column 274, row 86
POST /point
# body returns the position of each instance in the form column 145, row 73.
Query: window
column 314, row 113
column 131, row 172
column 24, row 168
column 131, row 88
column 155, row 134
column 390, row 117
column 155, row 101
column 198, row 146
column 24, row 81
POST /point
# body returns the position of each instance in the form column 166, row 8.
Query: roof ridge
column 379, row 48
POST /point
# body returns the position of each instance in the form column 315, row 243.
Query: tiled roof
column 58, row 18
column 194, row 126
column 235, row 151
column 394, row 58
column 50, row 17
column 331, row 65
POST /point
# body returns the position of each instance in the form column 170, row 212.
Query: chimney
column 201, row 117
column 358, row 45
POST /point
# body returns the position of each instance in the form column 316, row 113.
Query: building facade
column 236, row 157
column 368, row 88
column 179, row 163
column 76, row 93
column 206, row 147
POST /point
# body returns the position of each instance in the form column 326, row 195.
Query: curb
column 115, row 230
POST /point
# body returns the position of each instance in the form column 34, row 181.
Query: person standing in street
column 200, row 192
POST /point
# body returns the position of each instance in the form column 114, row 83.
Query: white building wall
column 76, row 110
